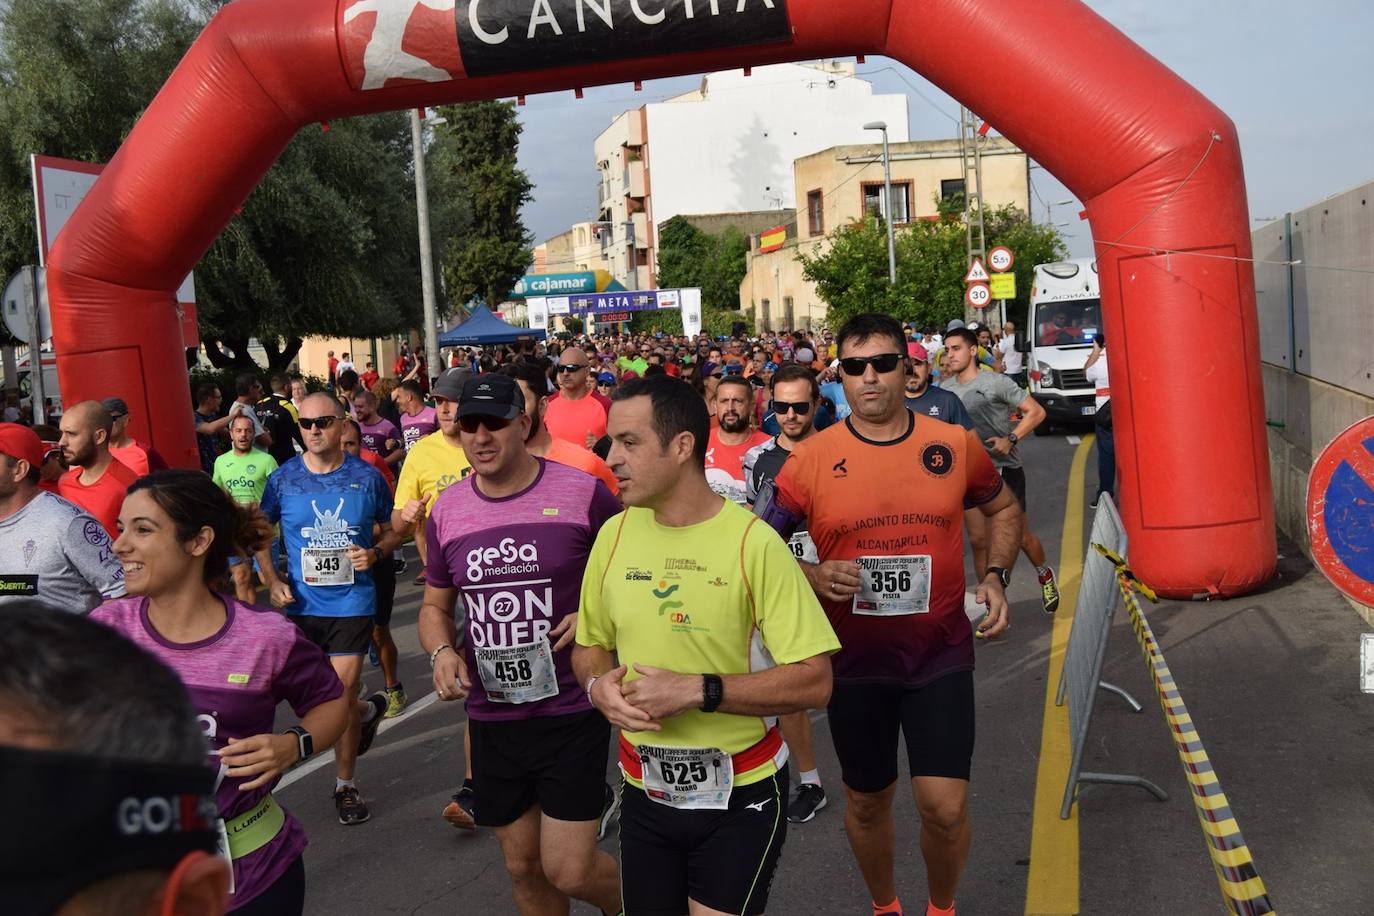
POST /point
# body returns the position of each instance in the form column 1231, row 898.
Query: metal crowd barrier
column 1081, row 677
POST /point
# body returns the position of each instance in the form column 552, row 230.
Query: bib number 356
column 893, row 586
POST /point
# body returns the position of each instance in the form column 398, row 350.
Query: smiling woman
column 177, row 532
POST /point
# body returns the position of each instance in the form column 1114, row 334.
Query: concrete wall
column 1316, row 339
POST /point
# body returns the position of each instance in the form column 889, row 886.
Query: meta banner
column 512, row 36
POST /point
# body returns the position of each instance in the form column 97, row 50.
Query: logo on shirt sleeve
column 938, row 459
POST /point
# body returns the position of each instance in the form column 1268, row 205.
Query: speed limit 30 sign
column 978, row 295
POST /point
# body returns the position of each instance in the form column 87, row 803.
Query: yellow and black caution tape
column 1123, row 570
column 1241, row 886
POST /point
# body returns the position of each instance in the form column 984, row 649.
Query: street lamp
column 1049, row 208
column 887, row 194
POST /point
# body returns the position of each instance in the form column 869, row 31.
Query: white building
column 726, row 147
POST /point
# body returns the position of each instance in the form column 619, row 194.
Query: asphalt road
column 1270, row 680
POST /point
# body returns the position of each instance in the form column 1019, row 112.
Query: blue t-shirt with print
column 324, row 514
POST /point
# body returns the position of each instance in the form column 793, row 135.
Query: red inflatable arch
column 1157, row 164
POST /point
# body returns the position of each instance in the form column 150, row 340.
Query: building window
column 767, row 318
column 815, row 213
column 789, row 316
column 951, row 188
column 901, row 201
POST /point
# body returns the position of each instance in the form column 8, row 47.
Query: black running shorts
column 336, row 635
column 384, row 580
column 1015, row 479
column 721, row 859
column 936, row 720
column 555, row 762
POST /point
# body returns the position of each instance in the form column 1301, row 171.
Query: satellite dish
column 18, row 294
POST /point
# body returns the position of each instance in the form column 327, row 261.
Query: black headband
column 72, row 820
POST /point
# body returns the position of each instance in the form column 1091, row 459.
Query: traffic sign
column 1003, row 286
column 17, row 298
column 978, row 295
column 976, row 272
column 1340, row 511
column 1000, row 259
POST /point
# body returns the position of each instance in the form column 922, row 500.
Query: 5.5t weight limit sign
column 1000, row 259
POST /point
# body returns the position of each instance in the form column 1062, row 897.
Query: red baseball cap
column 917, row 352
column 21, row 444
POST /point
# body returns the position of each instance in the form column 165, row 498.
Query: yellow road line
column 1052, row 887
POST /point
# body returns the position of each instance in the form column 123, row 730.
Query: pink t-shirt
column 235, row 679
column 415, row 428
column 572, row 421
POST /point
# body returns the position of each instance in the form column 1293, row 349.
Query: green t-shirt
column 244, row 477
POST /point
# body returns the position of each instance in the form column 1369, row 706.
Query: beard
column 738, row 424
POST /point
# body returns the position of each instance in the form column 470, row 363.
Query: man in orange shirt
column 127, row 450
column 576, row 413
column 883, row 494
column 542, row 445
column 96, row 482
column 732, row 438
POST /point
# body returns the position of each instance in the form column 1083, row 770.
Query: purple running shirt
column 415, row 428
column 235, row 679
column 517, row 564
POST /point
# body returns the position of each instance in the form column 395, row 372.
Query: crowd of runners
column 665, row 549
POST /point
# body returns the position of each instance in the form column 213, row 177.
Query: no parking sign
column 1340, row 511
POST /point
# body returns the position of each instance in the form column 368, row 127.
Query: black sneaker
column 609, row 806
column 379, row 701
column 458, row 811
column 351, row 807
column 810, row 798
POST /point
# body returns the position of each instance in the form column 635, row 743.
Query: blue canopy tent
column 482, row 327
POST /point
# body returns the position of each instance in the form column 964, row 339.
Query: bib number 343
column 326, row 566
column 688, row 777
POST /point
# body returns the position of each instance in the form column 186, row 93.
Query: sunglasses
column 572, row 367
column 858, row 365
column 782, row 408
column 493, row 424
column 318, row 422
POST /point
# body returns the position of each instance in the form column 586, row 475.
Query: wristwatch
column 304, row 743
column 1013, row 438
column 712, row 692
column 1002, row 573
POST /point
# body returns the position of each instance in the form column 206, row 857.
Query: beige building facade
column 838, row 186
column 575, row 251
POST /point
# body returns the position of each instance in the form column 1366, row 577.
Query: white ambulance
column 1065, row 317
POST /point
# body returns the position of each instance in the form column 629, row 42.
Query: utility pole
column 426, row 253
column 971, row 154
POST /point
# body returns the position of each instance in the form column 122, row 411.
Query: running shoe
column 1049, row 591
column 350, row 806
column 809, row 799
column 609, row 806
column 420, row 579
column 398, row 563
column 395, row 701
column 369, row 731
column 458, row 811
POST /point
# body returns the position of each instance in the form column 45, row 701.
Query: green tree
column 485, row 261
column 851, row 273
column 74, row 75
column 689, row 257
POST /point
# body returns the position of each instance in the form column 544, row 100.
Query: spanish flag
column 772, row 239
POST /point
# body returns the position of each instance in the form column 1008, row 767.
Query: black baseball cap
column 449, row 385
column 491, row 395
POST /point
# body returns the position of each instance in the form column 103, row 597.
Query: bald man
column 97, row 480
column 577, row 412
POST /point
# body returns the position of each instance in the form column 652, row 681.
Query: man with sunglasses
column 513, row 542
column 577, row 413
column 139, row 457
column 884, row 494
column 795, row 403
column 924, row 398
column 328, row 503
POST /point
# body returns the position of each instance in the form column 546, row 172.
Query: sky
column 1292, row 76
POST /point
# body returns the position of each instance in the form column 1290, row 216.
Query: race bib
column 222, row 849
column 893, row 586
column 803, row 548
column 518, row 674
column 688, row 777
column 326, row 566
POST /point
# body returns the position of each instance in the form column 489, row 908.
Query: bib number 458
column 514, row 671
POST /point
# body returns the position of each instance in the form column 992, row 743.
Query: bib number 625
column 682, row 772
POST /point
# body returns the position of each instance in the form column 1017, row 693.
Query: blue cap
column 605, row 378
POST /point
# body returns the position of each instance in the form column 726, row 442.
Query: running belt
column 73, row 820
